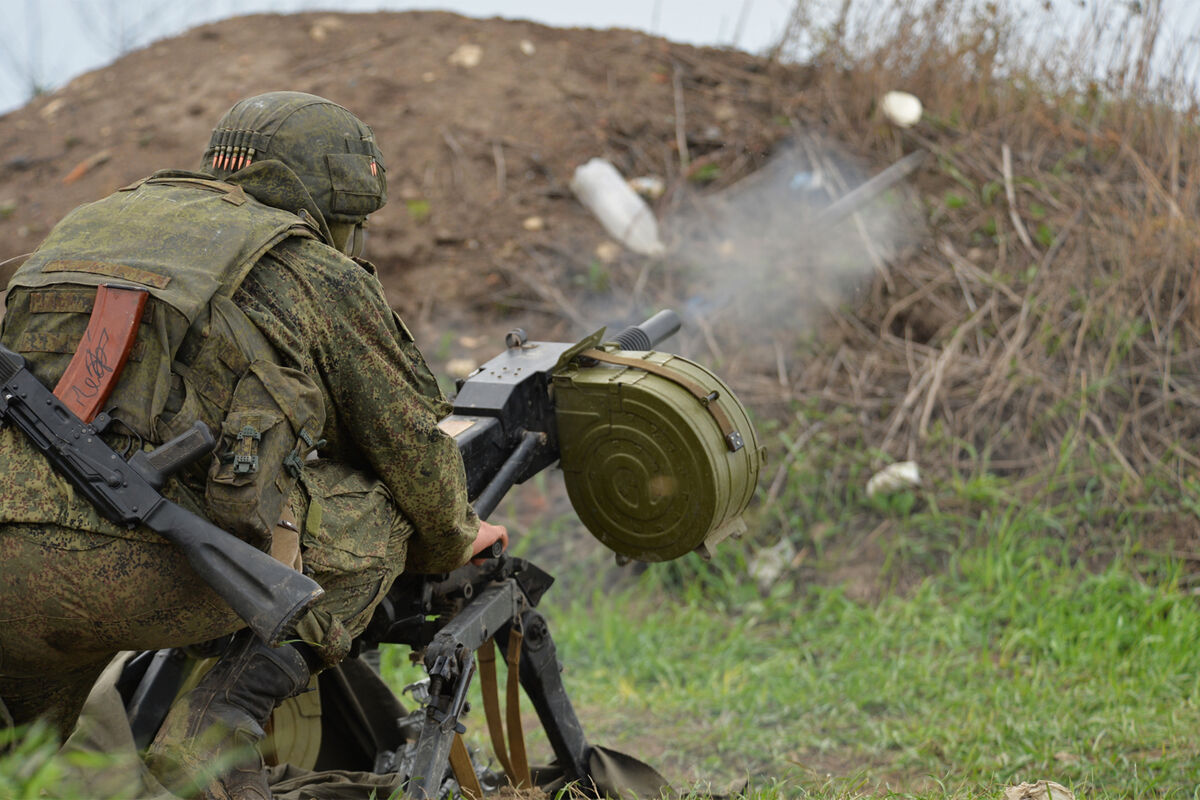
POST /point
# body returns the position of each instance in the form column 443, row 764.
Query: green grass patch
column 1014, row 665
column 1014, row 660
column 32, row 766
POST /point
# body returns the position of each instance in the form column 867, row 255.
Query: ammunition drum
column 660, row 458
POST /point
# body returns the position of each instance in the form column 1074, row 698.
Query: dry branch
column 1011, row 194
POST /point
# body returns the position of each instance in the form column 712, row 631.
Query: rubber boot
column 218, row 725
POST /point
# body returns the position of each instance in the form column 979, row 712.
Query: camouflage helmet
column 330, row 150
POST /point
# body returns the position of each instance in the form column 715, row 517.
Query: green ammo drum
column 658, row 454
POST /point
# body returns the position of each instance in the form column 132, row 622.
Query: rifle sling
column 464, row 771
column 102, row 352
column 512, row 758
column 707, row 397
column 486, row 660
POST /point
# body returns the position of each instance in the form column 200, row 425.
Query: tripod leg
column 450, row 662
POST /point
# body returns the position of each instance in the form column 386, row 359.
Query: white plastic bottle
column 620, row 210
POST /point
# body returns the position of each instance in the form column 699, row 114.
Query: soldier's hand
column 485, row 543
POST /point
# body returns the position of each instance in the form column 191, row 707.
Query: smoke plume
column 807, row 232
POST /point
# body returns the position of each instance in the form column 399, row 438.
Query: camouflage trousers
column 70, row 600
column 354, row 540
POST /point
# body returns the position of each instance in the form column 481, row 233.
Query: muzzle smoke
column 807, row 232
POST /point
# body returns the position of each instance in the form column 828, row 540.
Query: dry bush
column 1046, row 317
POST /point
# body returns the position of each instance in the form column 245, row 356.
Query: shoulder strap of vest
column 233, row 193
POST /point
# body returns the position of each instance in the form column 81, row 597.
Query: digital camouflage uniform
column 379, row 486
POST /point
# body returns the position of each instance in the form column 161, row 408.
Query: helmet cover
column 332, row 151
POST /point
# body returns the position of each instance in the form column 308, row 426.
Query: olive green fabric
column 331, row 151
column 320, row 314
column 326, row 316
column 179, row 235
column 353, row 539
column 196, row 357
column 273, row 423
column 273, row 183
column 71, row 599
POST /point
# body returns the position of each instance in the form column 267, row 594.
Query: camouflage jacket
column 327, row 316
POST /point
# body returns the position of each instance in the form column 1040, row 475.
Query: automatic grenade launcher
column 658, row 455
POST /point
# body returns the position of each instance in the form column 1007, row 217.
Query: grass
column 988, row 644
column 31, row 766
column 1015, row 662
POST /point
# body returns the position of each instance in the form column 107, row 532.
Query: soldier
column 263, row 323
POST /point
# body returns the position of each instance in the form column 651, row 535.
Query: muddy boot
column 216, row 727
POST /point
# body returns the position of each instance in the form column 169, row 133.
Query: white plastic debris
column 893, row 478
column 627, row 218
column 1042, row 790
column 768, row 565
column 467, row 55
column 902, row 108
column 651, row 187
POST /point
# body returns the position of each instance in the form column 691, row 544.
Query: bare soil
column 479, row 158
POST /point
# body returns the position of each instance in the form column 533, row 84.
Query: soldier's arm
column 385, row 399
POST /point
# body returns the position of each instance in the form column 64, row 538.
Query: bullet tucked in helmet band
column 331, row 151
column 239, row 149
column 231, row 149
column 215, row 146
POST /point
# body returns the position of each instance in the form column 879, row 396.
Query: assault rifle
column 266, row 594
column 659, row 459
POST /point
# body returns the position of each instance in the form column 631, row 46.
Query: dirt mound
column 482, row 123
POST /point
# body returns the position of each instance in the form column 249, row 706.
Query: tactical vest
column 189, row 241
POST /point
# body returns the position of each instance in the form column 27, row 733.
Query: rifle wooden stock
column 268, row 595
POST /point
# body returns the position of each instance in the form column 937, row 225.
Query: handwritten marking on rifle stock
column 96, row 361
